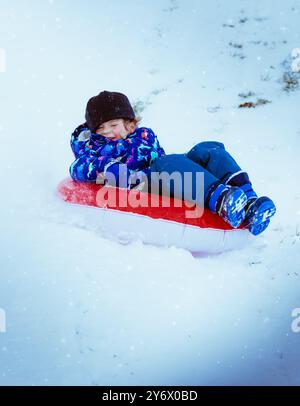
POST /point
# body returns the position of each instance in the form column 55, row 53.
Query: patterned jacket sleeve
column 79, row 140
column 143, row 149
column 93, row 157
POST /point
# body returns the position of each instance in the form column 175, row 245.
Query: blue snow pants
column 209, row 157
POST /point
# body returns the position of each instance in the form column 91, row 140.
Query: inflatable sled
column 166, row 224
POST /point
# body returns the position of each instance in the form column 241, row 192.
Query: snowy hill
column 84, row 310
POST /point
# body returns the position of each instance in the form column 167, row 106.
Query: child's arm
column 137, row 151
column 80, row 139
column 143, row 149
column 93, row 158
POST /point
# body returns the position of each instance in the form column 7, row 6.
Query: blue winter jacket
column 96, row 155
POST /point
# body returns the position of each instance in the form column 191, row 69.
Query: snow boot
column 241, row 180
column 228, row 202
column 258, row 214
column 232, row 206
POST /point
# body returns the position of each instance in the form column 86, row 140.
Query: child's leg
column 228, row 202
column 213, row 156
column 181, row 164
column 241, row 180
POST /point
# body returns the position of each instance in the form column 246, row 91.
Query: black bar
column 134, row 394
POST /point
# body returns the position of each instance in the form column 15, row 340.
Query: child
column 111, row 137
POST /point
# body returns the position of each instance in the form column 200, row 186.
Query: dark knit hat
column 107, row 106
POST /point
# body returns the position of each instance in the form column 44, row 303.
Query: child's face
column 113, row 129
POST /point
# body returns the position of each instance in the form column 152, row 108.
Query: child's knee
column 202, row 151
column 207, row 145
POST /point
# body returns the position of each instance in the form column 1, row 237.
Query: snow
column 84, row 310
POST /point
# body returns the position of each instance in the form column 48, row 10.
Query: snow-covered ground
column 83, row 310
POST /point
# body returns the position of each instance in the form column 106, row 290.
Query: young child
column 111, row 137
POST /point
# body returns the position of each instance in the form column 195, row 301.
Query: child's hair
column 135, row 121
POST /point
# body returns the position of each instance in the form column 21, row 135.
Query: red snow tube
column 127, row 215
